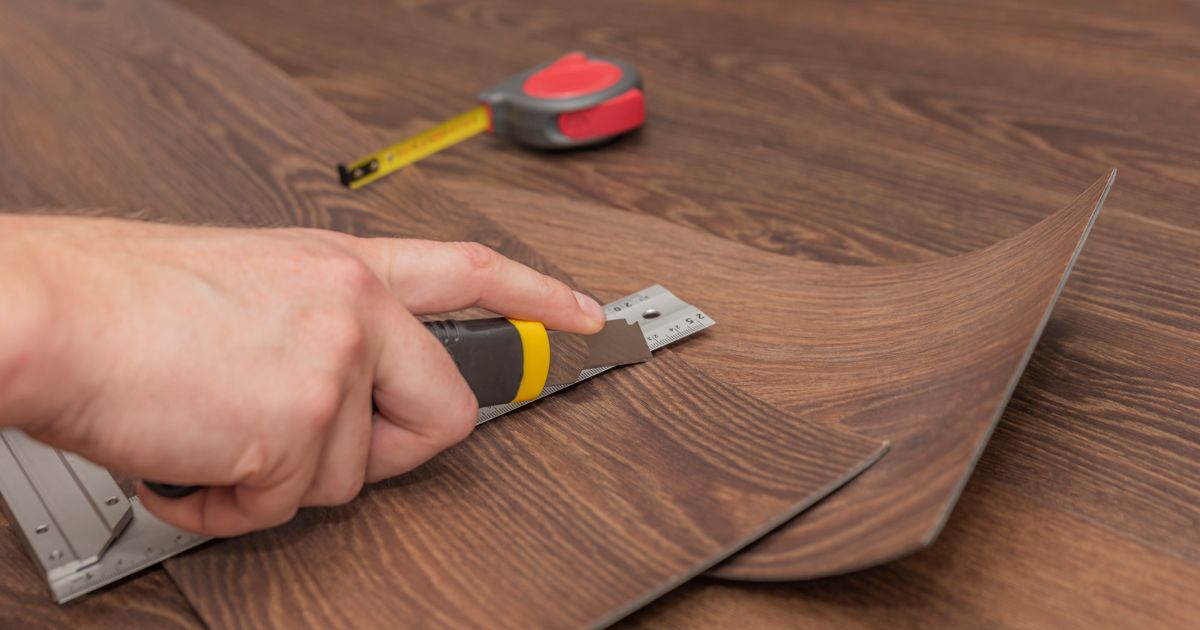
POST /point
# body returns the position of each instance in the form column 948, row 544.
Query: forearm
column 31, row 339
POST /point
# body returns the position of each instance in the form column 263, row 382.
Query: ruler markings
column 670, row 320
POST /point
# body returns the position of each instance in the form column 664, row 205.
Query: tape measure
column 576, row 100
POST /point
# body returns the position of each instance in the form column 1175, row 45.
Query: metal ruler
column 664, row 318
column 79, row 528
column 83, row 532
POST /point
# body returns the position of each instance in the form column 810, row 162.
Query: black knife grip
column 488, row 353
column 170, row 491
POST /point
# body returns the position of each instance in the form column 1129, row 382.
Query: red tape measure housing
column 616, row 115
column 572, row 75
column 575, row 75
column 576, row 100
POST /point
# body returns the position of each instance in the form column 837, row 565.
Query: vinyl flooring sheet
column 574, row 511
column 816, row 129
column 870, row 133
column 924, row 355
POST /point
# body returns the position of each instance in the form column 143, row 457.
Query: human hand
column 250, row 361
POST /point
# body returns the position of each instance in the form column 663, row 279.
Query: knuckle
column 346, row 339
column 308, row 233
column 329, row 236
column 460, row 421
column 555, row 290
column 281, row 516
column 346, row 493
column 340, row 334
column 478, row 257
column 253, row 462
column 319, row 405
column 350, row 273
column 338, row 491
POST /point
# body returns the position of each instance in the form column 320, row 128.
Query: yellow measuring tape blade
column 388, row 160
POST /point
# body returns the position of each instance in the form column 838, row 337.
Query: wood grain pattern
column 552, row 517
column 871, row 132
column 1102, row 580
column 924, row 355
column 574, row 511
column 1095, row 464
column 776, row 122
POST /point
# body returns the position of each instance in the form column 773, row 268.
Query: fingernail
column 590, row 307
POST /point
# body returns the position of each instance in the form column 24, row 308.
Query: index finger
column 433, row 277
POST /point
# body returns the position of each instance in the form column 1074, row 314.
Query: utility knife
column 512, row 360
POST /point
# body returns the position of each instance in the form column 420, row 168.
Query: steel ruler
column 664, row 318
column 83, row 532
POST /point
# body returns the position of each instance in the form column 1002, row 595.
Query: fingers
column 224, row 511
column 330, row 470
column 333, row 477
column 341, row 466
column 432, row 277
column 424, row 405
column 396, row 450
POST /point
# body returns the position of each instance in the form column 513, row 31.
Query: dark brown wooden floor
column 1001, row 545
column 921, row 355
column 528, row 511
column 868, row 132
